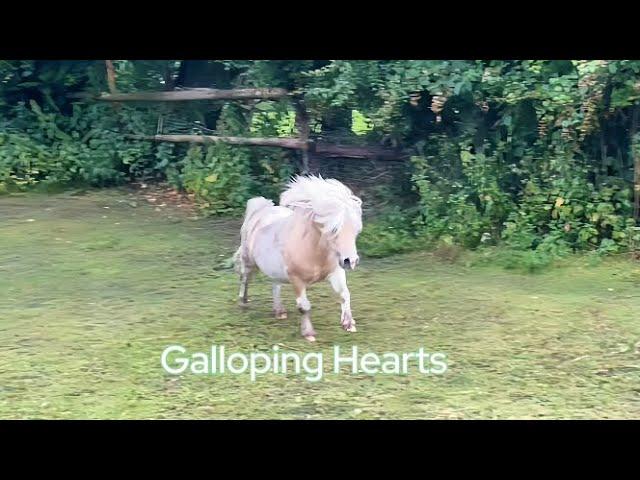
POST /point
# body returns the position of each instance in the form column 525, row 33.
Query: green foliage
column 45, row 148
column 224, row 177
column 218, row 176
column 271, row 170
column 572, row 213
column 273, row 119
column 527, row 261
column 536, row 155
column 388, row 234
column 381, row 240
column 460, row 198
column 360, row 124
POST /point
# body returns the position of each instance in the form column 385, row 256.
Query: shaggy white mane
column 331, row 201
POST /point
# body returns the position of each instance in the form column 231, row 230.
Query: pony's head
column 334, row 209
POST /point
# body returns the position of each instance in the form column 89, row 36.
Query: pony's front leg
column 338, row 280
column 278, row 309
column 302, row 302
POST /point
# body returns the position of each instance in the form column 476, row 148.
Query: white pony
column 310, row 237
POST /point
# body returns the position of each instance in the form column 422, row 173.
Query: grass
column 94, row 287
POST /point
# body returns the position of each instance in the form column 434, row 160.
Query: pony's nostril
column 346, row 263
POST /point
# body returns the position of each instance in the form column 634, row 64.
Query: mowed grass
column 93, row 288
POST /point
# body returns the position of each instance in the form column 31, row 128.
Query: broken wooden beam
column 189, row 94
column 292, row 143
column 352, row 151
column 320, row 148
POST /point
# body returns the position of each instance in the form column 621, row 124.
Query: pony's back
column 254, row 205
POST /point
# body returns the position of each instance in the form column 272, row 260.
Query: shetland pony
column 309, row 237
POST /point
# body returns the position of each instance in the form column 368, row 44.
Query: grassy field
column 93, row 287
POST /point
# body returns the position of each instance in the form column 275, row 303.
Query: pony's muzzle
column 350, row 262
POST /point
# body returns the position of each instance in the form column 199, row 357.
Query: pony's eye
column 334, row 230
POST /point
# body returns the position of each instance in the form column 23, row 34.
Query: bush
column 535, row 155
column 219, row 177
column 38, row 148
column 390, row 233
column 570, row 214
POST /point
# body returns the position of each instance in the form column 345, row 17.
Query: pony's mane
column 330, row 200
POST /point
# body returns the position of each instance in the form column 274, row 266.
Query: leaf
column 211, row 178
column 35, row 107
column 60, row 135
column 263, row 106
column 466, row 157
column 559, row 202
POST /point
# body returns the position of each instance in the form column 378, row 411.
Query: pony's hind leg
column 302, row 302
column 278, row 309
column 245, row 275
column 243, row 295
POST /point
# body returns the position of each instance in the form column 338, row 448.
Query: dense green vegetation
column 534, row 155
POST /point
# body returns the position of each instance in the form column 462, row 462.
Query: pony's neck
column 310, row 234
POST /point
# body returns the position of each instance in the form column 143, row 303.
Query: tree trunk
column 111, row 82
column 635, row 154
column 111, row 76
column 636, row 188
column 304, row 129
column 169, row 80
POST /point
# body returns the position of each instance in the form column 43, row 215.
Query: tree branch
column 190, row 94
column 292, row 143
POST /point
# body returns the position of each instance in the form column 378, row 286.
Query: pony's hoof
column 310, row 338
column 242, row 304
column 348, row 323
column 281, row 315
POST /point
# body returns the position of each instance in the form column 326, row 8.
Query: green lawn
column 90, row 296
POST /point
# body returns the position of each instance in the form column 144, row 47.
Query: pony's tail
column 237, row 260
column 254, row 205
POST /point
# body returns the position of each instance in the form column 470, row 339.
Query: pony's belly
column 272, row 265
column 268, row 253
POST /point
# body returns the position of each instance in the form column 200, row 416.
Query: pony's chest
column 308, row 266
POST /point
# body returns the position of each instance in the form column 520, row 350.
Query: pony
column 309, row 237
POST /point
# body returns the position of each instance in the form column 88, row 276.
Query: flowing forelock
column 331, row 201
